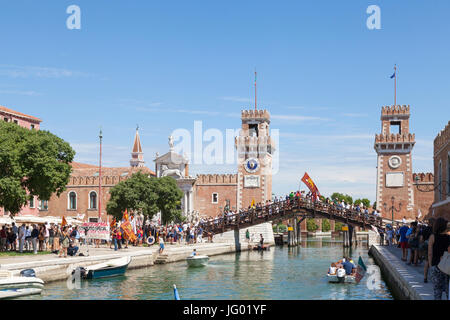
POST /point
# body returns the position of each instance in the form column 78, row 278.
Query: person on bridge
column 404, row 241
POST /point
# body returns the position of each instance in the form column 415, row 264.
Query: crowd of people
column 422, row 243
column 40, row 238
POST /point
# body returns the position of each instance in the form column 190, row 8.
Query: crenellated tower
column 254, row 150
column 394, row 167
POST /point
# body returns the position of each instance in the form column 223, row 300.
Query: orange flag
column 125, row 215
column 310, row 184
column 64, row 222
column 113, row 223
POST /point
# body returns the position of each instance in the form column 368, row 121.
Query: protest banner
column 94, row 230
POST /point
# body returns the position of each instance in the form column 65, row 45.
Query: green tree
column 146, row 195
column 311, row 225
column 374, row 206
column 326, row 226
column 169, row 200
column 32, row 163
column 139, row 194
column 338, row 226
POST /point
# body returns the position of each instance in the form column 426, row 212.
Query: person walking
column 34, row 238
column 438, row 243
column 404, row 241
column 161, row 245
column 22, row 234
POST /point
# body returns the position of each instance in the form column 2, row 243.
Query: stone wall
column 265, row 229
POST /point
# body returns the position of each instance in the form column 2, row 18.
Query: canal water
column 278, row 274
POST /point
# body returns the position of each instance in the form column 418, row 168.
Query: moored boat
column 197, row 261
column 15, row 293
column 9, row 281
column 345, row 279
column 111, row 268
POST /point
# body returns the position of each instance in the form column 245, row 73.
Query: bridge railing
column 277, row 210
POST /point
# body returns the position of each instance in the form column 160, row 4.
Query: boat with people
column 343, row 271
column 27, row 279
column 195, row 260
column 111, row 268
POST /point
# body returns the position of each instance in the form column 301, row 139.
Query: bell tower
column 254, row 152
column 137, row 156
column 394, row 163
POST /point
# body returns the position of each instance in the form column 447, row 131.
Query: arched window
column 72, row 201
column 93, row 200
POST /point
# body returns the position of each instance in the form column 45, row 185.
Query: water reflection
column 280, row 273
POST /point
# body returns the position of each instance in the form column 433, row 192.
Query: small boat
column 197, row 261
column 111, row 268
column 25, row 281
column 341, row 277
column 15, row 293
column 263, row 248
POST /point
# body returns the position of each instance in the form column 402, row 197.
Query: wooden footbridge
column 288, row 209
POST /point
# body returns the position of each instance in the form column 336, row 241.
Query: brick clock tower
column 394, row 166
column 254, row 151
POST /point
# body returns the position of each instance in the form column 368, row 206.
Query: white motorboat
column 9, row 281
column 197, row 261
column 15, row 293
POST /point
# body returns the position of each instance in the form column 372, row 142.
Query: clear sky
column 322, row 74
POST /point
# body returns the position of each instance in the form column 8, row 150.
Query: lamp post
column 392, row 208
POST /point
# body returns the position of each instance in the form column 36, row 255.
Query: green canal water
column 278, row 274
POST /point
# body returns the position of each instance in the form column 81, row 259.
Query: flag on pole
column 393, row 76
column 360, row 270
column 125, row 215
column 310, row 184
column 113, row 223
column 63, row 222
column 253, row 203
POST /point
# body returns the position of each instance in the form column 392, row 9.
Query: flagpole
column 255, row 89
column 100, row 180
column 395, row 86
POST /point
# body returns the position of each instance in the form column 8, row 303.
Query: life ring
column 150, row 240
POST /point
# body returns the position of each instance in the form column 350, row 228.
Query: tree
column 311, row 225
column 169, row 199
column 340, row 196
column 146, row 195
column 137, row 194
column 374, row 206
column 326, row 226
column 32, row 163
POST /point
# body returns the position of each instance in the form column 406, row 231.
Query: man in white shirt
column 22, row 235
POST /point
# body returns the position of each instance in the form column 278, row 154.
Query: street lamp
column 392, row 208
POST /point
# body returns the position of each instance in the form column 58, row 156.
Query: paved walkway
column 412, row 275
column 29, row 261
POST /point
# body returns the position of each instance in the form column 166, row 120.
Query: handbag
column 444, row 264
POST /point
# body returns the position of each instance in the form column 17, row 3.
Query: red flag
column 310, row 184
column 125, row 215
column 63, row 222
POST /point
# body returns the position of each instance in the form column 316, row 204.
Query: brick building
column 81, row 197
column 441, row 160
column 394, row 167
column 31, row 123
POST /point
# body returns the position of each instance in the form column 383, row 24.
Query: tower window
column 32, row 202
column 396, row 127
column 253, row 130
column 215, row 198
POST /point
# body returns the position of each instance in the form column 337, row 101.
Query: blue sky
column 322, row 74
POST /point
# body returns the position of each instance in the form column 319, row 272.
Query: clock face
column 395, row 162
column 251, row 165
